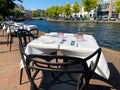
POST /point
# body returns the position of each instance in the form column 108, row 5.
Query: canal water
column 107, row 35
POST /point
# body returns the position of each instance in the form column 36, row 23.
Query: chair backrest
column 22, row 36
column 93, row 60
column 6, row 26
column 48, row 58
column 65, row 64
column 0, row 24
column 35, row 32
column 13, row 30
column 25, row 36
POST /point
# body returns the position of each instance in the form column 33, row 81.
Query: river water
column 107, row 35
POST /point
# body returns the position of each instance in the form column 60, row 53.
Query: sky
column 44, row 4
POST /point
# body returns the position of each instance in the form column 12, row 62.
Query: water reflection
column 107, row 35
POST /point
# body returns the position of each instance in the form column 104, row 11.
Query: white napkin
column 4, row 27
column 8, row 30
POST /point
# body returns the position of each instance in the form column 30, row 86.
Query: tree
column 35, row 14
column 76, row 8
column 15, row 13
column 117, row 7
column 48, row 12
column 61, row 10
column 1, row 17
column 89, row 5
column 67, row 9
column 6, row 6
column 53, row 12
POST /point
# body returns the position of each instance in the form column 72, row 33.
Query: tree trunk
column 118, row 15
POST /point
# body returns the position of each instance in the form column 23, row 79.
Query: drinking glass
column 60, row 34
column 79, row 37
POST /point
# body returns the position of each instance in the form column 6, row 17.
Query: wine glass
column 60, row 34
column 79, row 37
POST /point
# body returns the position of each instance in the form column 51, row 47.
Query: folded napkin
column 4, row 27
column 8, row 30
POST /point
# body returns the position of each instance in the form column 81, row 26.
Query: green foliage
column 35, row 14
column 48, row 12
column 117, row 6
column 67, row 9
column 76, row 8
column 16, row 13
column 89, row 4
column 53, row 11
column 61, row 9
column 6, row 6
column 1, row 17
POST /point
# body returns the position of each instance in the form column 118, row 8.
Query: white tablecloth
column 51, row 43
column 18, row 24
column 29, row 27
column 22, row 26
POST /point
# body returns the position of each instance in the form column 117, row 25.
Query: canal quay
column 86, row 21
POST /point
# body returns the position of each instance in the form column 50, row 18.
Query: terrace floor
column 9, row 69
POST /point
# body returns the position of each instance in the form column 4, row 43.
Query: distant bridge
column 38, row 18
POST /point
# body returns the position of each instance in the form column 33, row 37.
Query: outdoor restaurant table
column 18, row 24
column 23, row 26
column 50, row 42
column 29, row 27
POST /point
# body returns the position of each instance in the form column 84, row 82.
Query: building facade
column 107, row 8
column 112, row 12
column 103, row 8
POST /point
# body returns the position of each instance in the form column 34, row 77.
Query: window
column 113, row 6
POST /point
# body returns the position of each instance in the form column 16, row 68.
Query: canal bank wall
column 84, row 21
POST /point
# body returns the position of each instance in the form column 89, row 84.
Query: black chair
column 12, row 34
column 3, row 24
column 25, row 37
column 68, row 73
column 34, row 33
